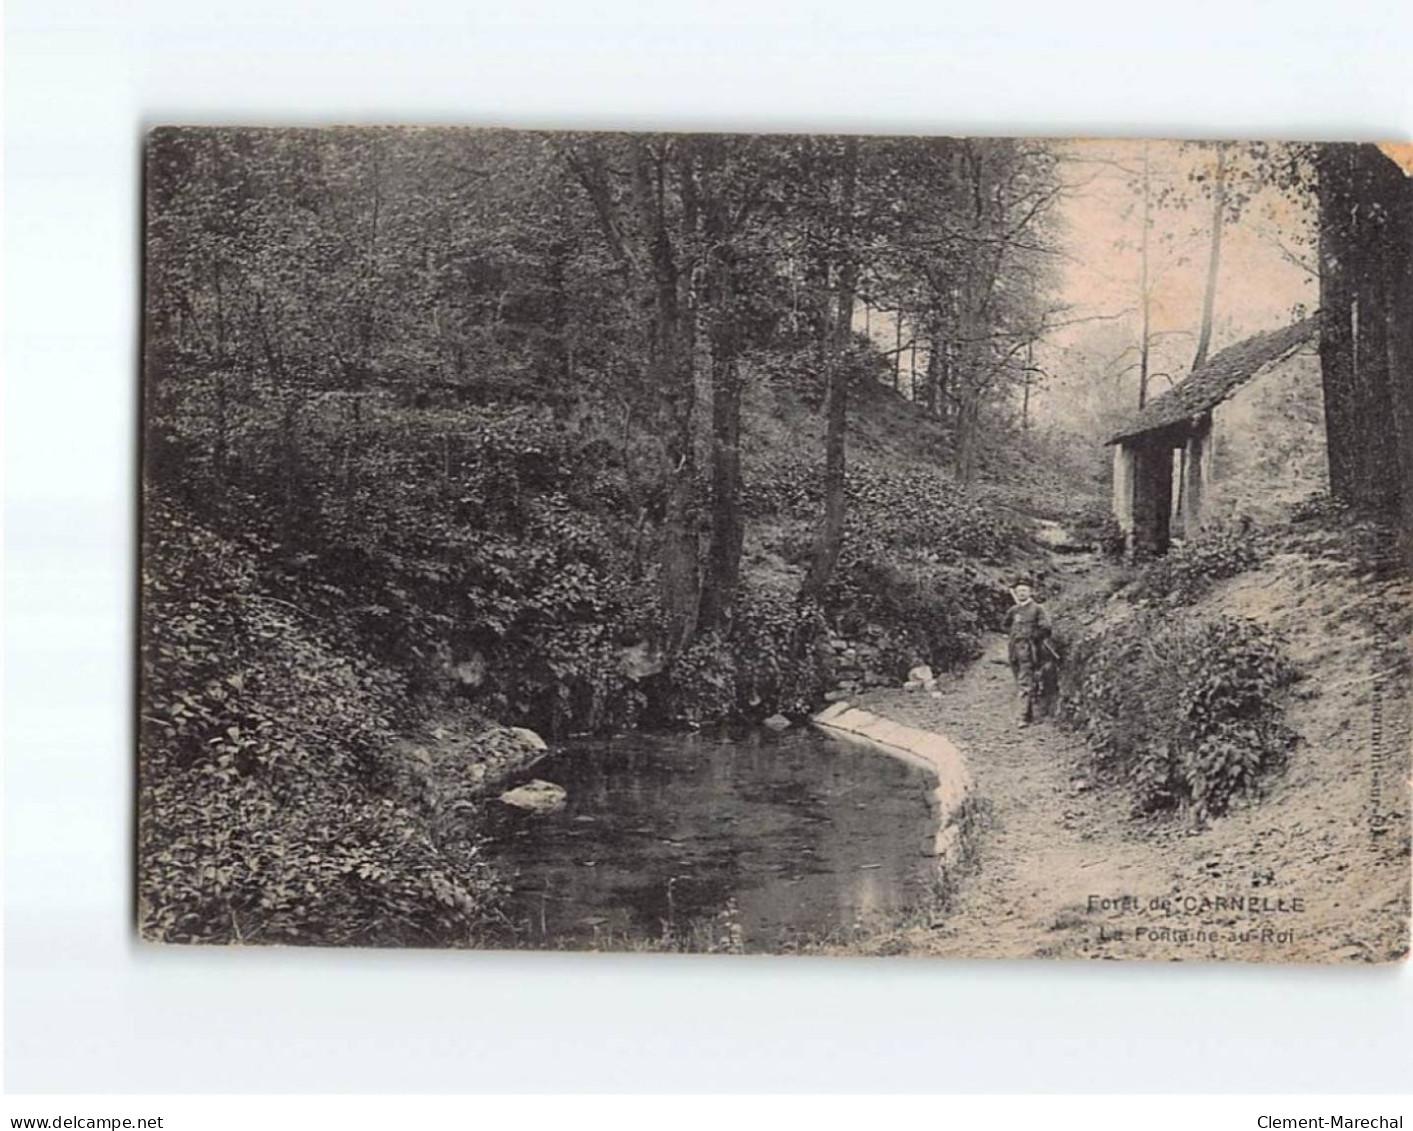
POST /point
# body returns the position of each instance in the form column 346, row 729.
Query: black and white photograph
column 790, row 544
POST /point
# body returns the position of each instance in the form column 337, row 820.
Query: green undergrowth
column 505, row 554
column 480, row 562
column 1184, row 707
column 1186, row 572
column 1095, row 525
column 274, row 807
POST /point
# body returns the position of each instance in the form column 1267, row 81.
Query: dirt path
column 1062, row 868
column 1047, row 841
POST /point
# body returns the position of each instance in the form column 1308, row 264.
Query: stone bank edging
column 936, row 753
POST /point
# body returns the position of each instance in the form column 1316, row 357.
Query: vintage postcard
column 965, row 547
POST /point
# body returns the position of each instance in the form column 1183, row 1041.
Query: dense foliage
column 452, row 379
column 270, row 811
column 1186, row 708
column 1095, row 525
column 450, row 423
column 1182, row 575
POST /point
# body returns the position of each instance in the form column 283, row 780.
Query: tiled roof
column 1218, row 378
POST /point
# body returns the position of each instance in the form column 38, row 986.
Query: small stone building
column 1240, row 434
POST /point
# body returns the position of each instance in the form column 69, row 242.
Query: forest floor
column 1315, row 870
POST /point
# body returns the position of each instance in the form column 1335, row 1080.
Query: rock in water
column 778, row 722
column 641, row 661
column 536, row 796
column 529, row 738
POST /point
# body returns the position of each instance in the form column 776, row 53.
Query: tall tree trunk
column 1337, row 349
column 1399, row 347
column 1214, row 256
column 1143, row 295
column 670, row 372
column 1029, row 378
column 968, row 421
column 944, row 380
column 727, row 528
column 932, row 386
column 897, row 351
column 1366, row 282
column 831, row 533
column 970, row 372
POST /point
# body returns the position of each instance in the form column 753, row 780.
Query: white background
column 87, row 1009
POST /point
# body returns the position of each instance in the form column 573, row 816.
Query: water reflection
column 773, row 837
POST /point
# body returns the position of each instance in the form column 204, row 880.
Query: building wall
column 1123, row 487
column 1267, row 448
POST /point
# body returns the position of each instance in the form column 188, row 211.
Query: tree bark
column 831, row 533
column 1209, row 296
column 670, row 373
column 727, row 528
column 1366, row 244
column 1143, row 295
column 897, row 351
column 1027, row 380
column 932, row 386
column 1399, row 346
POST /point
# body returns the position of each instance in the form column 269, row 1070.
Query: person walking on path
column 1028, row 626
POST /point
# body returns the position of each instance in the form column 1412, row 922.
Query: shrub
column 264, row 812
column 771, row 661
column 1219, row 551
column 1096, row 526
column 780, row 663
column 921, row 514
column 1185, row 708
column 700, row 684
column 1319, row 507
column 930, row 615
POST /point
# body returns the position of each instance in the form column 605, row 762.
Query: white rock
column 536, row 796
column 529, row 738
column 921, row 674
column 778, row 722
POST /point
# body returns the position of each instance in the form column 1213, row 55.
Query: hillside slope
column 322, row 696
column 1313, row 866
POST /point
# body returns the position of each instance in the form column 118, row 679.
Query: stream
column 755, row 842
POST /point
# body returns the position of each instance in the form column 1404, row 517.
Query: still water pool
column 758, row 840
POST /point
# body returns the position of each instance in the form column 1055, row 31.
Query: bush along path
column 1068, row 860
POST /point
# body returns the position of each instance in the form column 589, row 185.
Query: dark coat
column 1027, row 622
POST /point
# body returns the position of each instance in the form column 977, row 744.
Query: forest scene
column 764, row 543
